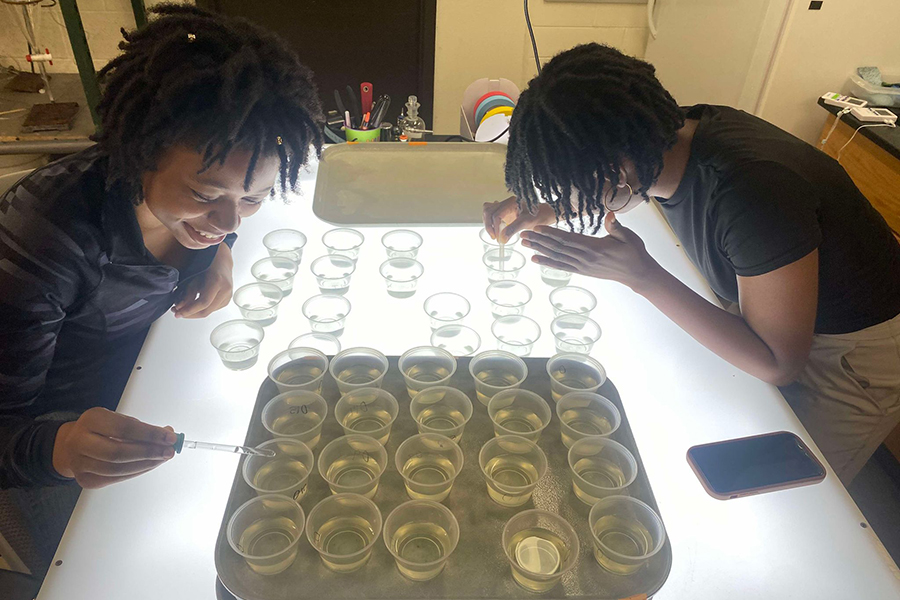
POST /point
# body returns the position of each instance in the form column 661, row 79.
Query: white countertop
column 153, row 537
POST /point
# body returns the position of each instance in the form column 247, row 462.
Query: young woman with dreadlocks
column 203, row 117
column 775, row 226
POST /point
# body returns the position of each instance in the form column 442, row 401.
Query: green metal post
column 75, row 29
column 140, row 13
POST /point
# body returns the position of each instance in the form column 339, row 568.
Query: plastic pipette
column 182, row 443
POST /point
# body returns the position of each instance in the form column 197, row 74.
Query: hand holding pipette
column 104, row 447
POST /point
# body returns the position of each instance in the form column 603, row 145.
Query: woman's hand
column 507, row 212
column 620, row 256
column 209, row 292
column 103, row 447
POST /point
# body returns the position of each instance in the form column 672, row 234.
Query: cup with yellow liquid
column 297, row 415
column 429, row 463
column 424, row 367
column 367, row 411
column 299, row 369
column 353, row 464
column 574, row 372
column 600, row 467
column 444, row 410
column 586, row 414
column 495, row 371
column 286, row 473
column 626, row 534
column 343, row 528
column 519, row 412
column 421, row 535
column 512, row 467
column 265, row 531
column 541, row 547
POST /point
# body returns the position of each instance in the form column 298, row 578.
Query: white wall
column 101, row 18
column 820, row 49
column 488, row 38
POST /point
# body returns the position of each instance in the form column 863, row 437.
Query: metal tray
column 422, row 184
column 478, row 568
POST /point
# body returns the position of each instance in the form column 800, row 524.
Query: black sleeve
column 230, row 239
column 766, row 217
column 41, row 272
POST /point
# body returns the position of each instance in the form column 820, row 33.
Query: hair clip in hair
column 191, row 37
column 278, row 140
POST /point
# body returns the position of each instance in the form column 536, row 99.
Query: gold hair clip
column 191, row 37
column 278, row 140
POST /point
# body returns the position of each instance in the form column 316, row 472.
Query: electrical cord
column 834, row 125
column 841, row 151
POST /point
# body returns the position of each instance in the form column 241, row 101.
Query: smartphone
column 755, row 465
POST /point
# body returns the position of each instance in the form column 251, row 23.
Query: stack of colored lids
column 489, row 106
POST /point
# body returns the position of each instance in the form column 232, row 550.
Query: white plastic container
column 858, row 87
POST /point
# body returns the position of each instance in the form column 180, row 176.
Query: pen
column 347, row 118
column 365, row 121
column 380, row 110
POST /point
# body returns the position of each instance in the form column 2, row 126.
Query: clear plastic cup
column 508, row 298
column 516, row 334
column 503, row 265
column 401, row 243
column 298, row 369
column 424, row 367
column 278, row 270
column 344, row 242
column 327, row 313
column 421, row 536
column 541, row 548
column 259, row 302
column 298, row 415
column 555, row 277
column 285, row 242
column 519, row 412
column 446, row 308
column 488, row 243
column 495, row 371
column 343, row 528
column 367, row 411
column 401, row 275
column 333, row 273
column 444, row 410
column 586, row 414
column 574, row 373
column 458, row 340
column 237, row 343
column 575, row 333
column 428, row 463
column 265, row 531
column 286, row 473
column 600, row 467
column 512, row 467
column 353, row 464
column 356, row 368
column 572, row 300
column 323, row 342
column 626, row 534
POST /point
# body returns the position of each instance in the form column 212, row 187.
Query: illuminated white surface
column 153, row 537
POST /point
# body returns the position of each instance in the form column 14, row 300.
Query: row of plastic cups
column 498, row 370
column 343, row 529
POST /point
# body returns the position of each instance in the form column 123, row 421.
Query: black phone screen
column 737, row 465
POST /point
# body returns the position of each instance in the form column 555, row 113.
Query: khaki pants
column 848, row 396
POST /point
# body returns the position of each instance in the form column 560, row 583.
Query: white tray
column 397, row 183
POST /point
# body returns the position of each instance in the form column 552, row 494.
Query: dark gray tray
column 478, row 568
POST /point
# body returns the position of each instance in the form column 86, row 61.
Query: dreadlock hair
column 589, row 109
column 212, row 82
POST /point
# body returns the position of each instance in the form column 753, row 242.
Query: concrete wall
column 488, row 38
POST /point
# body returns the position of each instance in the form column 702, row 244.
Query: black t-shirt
column 755, row 198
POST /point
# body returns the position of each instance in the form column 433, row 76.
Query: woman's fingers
column 122, row 427
column 93, row 466
column 104, row 449
column 562, row 254
column 92, row 481
column 554, row 264
column 221, row 300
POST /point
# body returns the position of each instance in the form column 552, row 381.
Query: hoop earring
column 608, row 195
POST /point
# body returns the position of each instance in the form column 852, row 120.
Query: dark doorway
column 389, row 43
